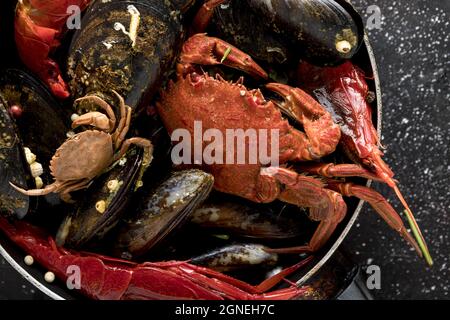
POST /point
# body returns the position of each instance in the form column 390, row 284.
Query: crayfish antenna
column 386, row 175
column 415, row 227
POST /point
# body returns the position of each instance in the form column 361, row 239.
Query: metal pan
column 316, row 273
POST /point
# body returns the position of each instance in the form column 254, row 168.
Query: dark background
column 412, row 54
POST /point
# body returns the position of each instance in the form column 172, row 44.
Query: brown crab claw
column 203, row 50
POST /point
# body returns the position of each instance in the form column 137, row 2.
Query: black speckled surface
column 412, row 51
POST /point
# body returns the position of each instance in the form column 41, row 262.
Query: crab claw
column 203, row 50
column 321, row 135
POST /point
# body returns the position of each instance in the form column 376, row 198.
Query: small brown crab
column 87, row 154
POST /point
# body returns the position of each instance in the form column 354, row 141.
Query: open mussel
column 33, row 125
column 128, row 46
column 164, row 208
column 322, row 32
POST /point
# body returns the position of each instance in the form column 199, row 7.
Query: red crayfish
column 343, row 90
column 114, row 279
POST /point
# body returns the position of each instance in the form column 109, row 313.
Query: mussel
column 323, row 32
column 12, row 166
column 105, row 200
column 42, row 122
column 242, row 219
column 32, row 127
column 236, row 257
column 165, row 208
column 129, row 46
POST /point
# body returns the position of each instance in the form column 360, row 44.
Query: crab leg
column 379, row 203
column 124, row 115
column 95, row 119
column 54, row 187
column 204, row 15
column 124, row 126
column 141, row 142
column 103, row 105
column 321, row 135
column 203, row 50
column 65, row 194
column 325, row 205
column 37, row 192
column 332, row 170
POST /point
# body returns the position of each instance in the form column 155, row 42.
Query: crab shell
column 222, row 105
column 85, row 155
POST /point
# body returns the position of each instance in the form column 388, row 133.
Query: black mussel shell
column 164, row 208
column 100, row 207
column 42, row 122
column 13, row 166
column 235, row 23
column 323, row 32
column 243, row 219
column 102, row 55
column 41, row 125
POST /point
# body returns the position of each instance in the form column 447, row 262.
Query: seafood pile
column 86, row 120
